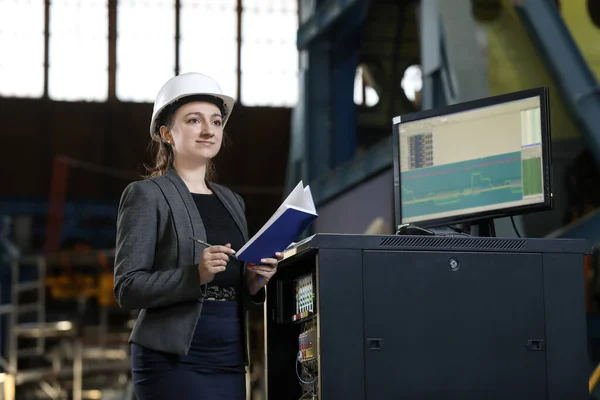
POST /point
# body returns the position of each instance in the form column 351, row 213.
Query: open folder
column 294, row 215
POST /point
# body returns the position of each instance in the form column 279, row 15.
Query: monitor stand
column 485, row 228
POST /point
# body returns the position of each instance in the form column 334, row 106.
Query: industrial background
column 317, row 84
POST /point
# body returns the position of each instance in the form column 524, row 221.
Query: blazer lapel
column 188, row 216
column 193, row 217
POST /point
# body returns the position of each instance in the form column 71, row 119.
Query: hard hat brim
column 228, row 102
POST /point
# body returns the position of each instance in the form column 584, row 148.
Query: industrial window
column 208, row 40
column 364, row 94
column 78, row 50
column 154, row 41
column 145, row 48
column 269, row 57
column 21, row 27
column 412, row 83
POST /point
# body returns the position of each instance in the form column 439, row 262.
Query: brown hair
column 163, row 150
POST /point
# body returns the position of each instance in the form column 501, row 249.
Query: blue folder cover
column 277, row 237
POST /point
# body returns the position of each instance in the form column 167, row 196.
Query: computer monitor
column 473, row 161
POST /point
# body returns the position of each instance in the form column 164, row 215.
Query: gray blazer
column 156, row 261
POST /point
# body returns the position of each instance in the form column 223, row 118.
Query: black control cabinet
column 427, row 318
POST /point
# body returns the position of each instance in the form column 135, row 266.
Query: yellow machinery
column 82, row 273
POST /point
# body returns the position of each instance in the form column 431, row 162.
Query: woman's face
column 197, row 131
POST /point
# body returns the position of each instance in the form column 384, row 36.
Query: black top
column 221, row 229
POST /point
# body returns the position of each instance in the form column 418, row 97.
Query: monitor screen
column 482, row 159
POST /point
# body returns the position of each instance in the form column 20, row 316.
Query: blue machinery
column 328, row 61
column 324, row 124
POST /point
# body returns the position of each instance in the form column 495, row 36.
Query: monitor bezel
column 478, row 217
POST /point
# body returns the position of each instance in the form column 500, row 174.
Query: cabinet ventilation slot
column 453, row 243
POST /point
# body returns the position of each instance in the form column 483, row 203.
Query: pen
column 231, row 256
column 202, row 242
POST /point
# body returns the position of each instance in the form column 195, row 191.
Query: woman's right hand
column 214, row 260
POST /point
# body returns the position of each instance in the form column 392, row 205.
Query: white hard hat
column 185, row 85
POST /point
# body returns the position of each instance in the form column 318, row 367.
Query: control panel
column 307, row 362
column 305, row 297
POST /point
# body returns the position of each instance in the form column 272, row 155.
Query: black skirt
column 212, row 369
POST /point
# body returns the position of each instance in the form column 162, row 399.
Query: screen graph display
column 471, row 162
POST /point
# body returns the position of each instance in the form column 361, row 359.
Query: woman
column 189, row 339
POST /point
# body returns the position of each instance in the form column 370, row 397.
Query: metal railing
column 27, row 322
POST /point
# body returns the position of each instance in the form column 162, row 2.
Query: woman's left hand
column 260, row 274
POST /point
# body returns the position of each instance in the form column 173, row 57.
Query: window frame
column 112, row 47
